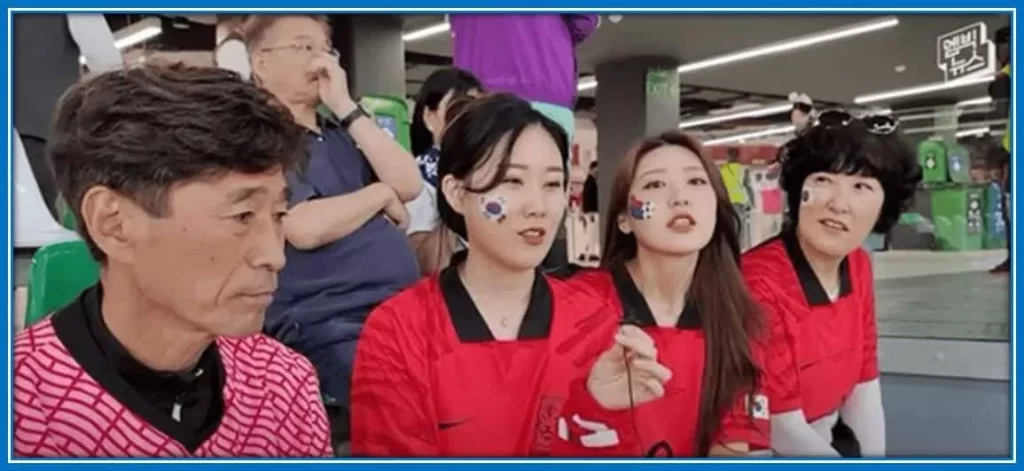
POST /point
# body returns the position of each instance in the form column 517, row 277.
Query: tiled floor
column 947, row 295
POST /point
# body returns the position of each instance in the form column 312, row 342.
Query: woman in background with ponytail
column 438, row 92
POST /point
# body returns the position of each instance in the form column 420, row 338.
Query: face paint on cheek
column 806, row 197
column 640, row 210
column 812, row 195
column 494, row 208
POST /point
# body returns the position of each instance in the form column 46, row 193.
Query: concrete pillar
column 45, row 64
column 636, row 97
column 372, row 53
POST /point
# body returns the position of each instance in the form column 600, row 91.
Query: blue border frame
column 421, row 6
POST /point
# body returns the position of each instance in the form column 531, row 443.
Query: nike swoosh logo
column 450, row 424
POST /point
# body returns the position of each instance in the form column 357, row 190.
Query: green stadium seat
column 66, row 216
column 59, row 273
column 392, row 115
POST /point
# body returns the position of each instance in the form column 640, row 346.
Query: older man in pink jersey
column 176, row 175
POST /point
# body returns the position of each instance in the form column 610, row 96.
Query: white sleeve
column 793, row 436
column 423, row 215
column 863, row 413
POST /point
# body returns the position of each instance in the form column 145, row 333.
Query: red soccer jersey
column 71, row 402
column 818, row 349
column 665, row 426
column 430, row 380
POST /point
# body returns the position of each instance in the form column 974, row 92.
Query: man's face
column 281, row 60
column 212, row 259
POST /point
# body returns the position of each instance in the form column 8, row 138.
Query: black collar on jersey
column 469, row 323
column 635, row 308
column 324, row 123
column 813, row 291
column 149, row 394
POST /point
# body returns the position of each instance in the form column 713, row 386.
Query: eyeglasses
column 304, row 49
column 876, row 124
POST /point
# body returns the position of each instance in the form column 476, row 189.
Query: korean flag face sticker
column 758, row 406
column 494, row 207
column 640, row 210
column 805, row 197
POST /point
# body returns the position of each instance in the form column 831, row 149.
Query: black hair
column 803, row 108
column 433, row 90
column 851, row 150
column 1002, row 35
column 475, row 133
column 142, row 130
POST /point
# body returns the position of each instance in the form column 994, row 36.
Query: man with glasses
column 346, row 249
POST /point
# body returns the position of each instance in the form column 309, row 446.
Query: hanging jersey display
column 766, row 213
column 958, row 163
column 931, row 155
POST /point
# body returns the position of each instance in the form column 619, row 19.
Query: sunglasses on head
column 876, row 123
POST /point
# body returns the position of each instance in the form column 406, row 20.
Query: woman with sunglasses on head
column 439, row 90
column 477, row 360
column 843, row 178
column 671, row 268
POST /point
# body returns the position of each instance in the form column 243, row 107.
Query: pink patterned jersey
column 272, row 406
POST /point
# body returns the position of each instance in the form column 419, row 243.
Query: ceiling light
column 586, row 84
column 787, row 45
column 983, row 100
column 922, row 89
column 137, row 33
column 426, row 32
column 745, row 113
column 751, row 135
column 974, row 132
column 793, row 44
column 956, row 127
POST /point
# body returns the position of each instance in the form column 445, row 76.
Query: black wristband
column 355, row 114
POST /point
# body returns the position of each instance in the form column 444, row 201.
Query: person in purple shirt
column 532, row 56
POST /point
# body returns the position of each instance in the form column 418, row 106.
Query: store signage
column 662, row 83
column 966, row 52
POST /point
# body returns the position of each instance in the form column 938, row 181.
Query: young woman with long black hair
column 671, row 268
column 477, row 360
column 844, row 178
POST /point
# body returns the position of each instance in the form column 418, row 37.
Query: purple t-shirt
column 533, row 56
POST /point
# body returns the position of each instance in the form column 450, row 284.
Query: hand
column 608, row 381
column 332, row 82
column 395, row 211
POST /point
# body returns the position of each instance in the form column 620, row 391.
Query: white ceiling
column 835, row 72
